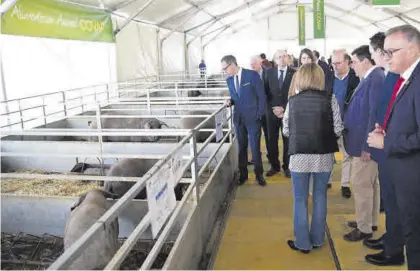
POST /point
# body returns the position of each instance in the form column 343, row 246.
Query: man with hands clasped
column 277, row 84
column 247, row 95
column 399, row 137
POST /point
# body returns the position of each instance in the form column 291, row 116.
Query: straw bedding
column 45, row 187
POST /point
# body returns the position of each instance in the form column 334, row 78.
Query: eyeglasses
column 225, row 68
column 389, row 53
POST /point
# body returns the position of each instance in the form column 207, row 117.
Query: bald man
column 343, row 85
column 278, row 83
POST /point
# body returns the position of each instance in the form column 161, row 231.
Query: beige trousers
column 345, row 166
column 365, row 182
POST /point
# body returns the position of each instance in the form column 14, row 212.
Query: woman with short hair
column 313, row 124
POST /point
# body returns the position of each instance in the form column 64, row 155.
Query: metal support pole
column 186, row 56
column 137, row 13
column 230, row 125
column 44, row 115
column 21, row 115
column 100, row 137
column 149, row 106
column 63, row 94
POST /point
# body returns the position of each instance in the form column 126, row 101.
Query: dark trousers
column 394, row 240
column 243, row 129
column 274, row 128
column 407, row 188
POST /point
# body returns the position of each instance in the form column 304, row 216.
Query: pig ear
column 147, row 125
column 81, row 199
column 110, row 195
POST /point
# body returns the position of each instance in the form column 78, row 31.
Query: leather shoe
column 356, row 235
column 376, row 244
column 291, row 244
column 241, row 181
column 345, row 192
column 381, row 259
column 272, row 172
column 261, row 181
column 353, row 224
column 287, row 173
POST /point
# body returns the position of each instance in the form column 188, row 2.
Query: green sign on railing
column 53, row 19
column 385, row 2
column 301, row 18
column 319, row 19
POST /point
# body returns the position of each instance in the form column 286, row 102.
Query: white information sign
column 219, row 126
column 176, row 167
column 160, row 198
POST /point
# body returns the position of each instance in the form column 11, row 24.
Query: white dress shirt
column 407, row 74
column 284, row 72
column 239, row 74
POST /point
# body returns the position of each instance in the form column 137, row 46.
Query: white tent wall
column 194, row 55
column 257, row 38
column 172, row 52
column 34, row 66
column 136, row 51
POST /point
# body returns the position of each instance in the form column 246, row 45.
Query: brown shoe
column 353, row 224
column 356, row 235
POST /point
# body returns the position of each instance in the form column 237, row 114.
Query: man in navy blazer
column 364, row 171
column 392, row 242
column 248, row 96
column 399, row 135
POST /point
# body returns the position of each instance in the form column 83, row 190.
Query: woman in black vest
column 313, row 124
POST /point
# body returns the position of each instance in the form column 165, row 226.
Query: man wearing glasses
column 343, row 86
column 392, row 242
column 248, row 96
column 399, row 134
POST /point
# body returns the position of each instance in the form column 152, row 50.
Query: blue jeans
column 305, row 238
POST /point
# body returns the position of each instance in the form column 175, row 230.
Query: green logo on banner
column 385, row 2
column 53, row 19
column 319, row 19
column 301, row 18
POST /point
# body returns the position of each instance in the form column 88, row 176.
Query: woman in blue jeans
column 313, row 124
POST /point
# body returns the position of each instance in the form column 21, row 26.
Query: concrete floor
column 261, row 221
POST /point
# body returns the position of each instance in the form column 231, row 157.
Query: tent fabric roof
column 210, row 18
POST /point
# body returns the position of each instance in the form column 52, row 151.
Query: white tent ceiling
column 210, row 18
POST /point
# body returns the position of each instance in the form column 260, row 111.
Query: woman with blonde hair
column 313, row 124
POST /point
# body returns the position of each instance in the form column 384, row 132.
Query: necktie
column 391, row 102
column 237, row 84
column 281, row 78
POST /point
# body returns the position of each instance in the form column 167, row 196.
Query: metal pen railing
column 82, row 243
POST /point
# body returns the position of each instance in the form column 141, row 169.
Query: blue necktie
column 281, row 79
column 237, row 84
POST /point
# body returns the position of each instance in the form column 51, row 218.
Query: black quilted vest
column 311, row 123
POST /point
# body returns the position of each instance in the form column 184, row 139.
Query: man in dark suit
column 277, row 84
column 399, row 135
column 329, row 76
column 392, row 242
column 248, row 97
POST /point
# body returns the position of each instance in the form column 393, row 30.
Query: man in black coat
column 277, row 85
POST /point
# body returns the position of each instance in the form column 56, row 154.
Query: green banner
column 301, row 18
column 319, row 19
column 385, row 2
column 59, row 20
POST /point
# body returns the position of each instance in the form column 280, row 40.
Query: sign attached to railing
column 176, row 170
column 160, row 198
column 219, row 125
column 59, row 20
